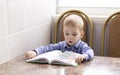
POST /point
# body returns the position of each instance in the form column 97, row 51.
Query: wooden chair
column 110, row 45
column 88, row 26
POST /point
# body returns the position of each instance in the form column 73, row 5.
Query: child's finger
column 78, row 60
column 27, row 56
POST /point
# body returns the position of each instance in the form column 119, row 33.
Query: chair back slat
column 111, row 42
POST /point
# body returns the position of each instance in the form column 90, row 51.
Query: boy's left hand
column 79, row 59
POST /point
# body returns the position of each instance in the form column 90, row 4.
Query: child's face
column 72, row 34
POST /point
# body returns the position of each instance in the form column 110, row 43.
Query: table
column 98, row 66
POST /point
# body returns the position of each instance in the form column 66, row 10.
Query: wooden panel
column 114, row 36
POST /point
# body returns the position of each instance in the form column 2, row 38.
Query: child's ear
column 82, row 34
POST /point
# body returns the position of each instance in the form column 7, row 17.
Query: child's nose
column 71, row 36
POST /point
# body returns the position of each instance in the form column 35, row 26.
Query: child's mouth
column 70, row 41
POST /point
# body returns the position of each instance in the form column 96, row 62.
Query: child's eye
column 66, row 33
column 75, row 34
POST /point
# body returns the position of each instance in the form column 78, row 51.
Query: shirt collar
column 75, row 45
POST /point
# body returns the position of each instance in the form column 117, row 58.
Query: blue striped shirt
column 80, row 47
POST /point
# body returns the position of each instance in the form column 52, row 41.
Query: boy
column 73, row 32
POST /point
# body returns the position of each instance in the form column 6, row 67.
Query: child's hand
column 80, row 59
column 30, row 54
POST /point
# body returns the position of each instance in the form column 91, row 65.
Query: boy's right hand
column 30, row 54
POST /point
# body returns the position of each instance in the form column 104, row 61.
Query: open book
column 56, row 57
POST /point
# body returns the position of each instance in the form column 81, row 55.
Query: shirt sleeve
column 47, row 48
column 87, row 52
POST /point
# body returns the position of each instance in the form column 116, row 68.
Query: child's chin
column 70, row 44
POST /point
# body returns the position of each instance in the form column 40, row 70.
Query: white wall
column 91, row 7
column 24, row 25
column 100, row 11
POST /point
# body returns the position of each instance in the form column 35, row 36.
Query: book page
column 66, row 58
column 45, row 57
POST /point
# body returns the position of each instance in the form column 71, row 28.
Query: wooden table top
column 97, row 66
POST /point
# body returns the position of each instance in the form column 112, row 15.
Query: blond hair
column 74, row 20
